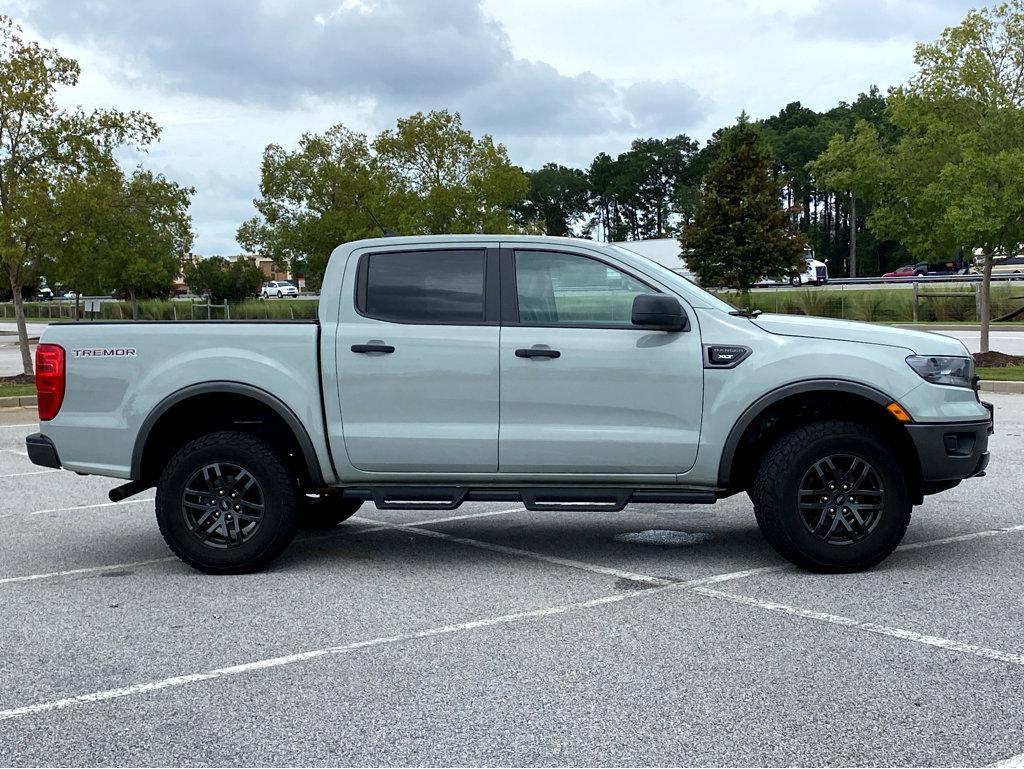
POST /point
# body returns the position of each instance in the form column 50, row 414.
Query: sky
column 553, row 80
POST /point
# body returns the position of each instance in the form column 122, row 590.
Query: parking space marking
column 870, row 627
column 291, row 659
column 1013, row 762
column 504, row 549
column 310, row 538
column 16, row 451
column 384, row 526
column 88, row 507
column 85, row 570
column 30, row 472
column 961, row 538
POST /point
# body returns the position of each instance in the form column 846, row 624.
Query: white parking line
column 384, row 526
column 291, row 659
column 30, row 472
column 16, row 451
column 870, row 627
column 568, row 562
column 85, row 570
column 312, row 537
column 961, row 538
column 89, row 507
column 1013, row 762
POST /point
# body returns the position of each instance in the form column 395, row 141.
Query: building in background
column 265, row 264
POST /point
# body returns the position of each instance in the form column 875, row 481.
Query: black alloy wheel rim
column 223, row 505
column 841, row 499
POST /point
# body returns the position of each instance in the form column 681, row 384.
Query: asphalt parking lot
column 493, row 636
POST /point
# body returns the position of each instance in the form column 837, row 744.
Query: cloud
column 403, row 55
column 880, row 20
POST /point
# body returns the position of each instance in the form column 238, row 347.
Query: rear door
column 582, row 389
column 417, row 360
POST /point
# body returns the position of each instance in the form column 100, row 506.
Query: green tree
column 40, row 145
column 145, row 233
column 557, row 198
column 451, row 182
column 741, row 232
column 329, row 191
column 81, row 211
column 952, row 175
column 223, row 280
column 429, row 175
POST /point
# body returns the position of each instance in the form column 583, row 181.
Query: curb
column 15, row 401
column 993, row 386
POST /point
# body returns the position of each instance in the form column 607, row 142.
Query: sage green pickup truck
column 560, row 374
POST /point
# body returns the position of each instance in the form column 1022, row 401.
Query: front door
column 582, row 389
column 417, row 361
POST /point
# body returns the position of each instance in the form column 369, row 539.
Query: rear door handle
column 373, row 348
column 537, row 352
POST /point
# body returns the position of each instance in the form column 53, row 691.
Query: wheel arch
column 168, row 418
column 753, row 430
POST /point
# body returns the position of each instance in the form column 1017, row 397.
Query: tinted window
column 426, row 287
column 558, row 288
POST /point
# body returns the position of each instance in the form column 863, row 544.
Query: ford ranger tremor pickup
column 557, row 373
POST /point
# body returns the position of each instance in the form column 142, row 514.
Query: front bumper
column 41, row 450
column 950, row 452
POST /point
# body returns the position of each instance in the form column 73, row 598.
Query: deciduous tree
column 41, row 144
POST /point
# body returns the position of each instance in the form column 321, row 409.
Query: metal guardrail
column 969, row 278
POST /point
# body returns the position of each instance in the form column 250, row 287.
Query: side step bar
column 537, row 498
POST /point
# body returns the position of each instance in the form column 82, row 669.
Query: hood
column 920, row 342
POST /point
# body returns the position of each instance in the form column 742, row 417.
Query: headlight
column 943, row 370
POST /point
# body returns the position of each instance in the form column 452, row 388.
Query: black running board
column 539, row 498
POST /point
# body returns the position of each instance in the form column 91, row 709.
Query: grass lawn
column 1003, row 373
column 16, row 389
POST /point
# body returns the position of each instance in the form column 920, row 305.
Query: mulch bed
column 18, row 379
column 994, row 359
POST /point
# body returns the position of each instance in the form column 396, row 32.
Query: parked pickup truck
column 562, row 374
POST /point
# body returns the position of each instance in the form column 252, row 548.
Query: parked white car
column 278, row 288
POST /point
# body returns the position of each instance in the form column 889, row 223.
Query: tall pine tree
column 740, row 232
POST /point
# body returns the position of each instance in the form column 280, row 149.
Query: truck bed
column 118, row 373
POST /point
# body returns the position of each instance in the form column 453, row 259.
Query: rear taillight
column 49, row 380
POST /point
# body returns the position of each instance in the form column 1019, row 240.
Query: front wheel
column 795, row 281
column 831, row 497
column 226, row 503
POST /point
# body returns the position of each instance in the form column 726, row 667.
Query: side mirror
column 660, row 312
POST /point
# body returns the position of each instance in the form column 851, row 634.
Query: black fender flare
column 754, row 410
column 231, row 388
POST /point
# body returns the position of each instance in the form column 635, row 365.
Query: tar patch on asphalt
column 664, row 537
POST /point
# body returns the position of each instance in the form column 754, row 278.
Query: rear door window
column 425, row 287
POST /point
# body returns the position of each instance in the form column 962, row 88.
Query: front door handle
column 385, row 348
column 537, row 352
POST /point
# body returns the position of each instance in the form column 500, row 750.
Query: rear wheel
column 226, row 503
column 795, row 281
column 831, row 496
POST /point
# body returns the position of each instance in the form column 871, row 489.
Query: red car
column 907, row 271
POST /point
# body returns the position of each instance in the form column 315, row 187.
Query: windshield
column 697, row 294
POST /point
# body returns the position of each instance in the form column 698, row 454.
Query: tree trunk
column 135, row 304
column 78, row 306
column 19, row 317
column 853, row 235
column 984, row 310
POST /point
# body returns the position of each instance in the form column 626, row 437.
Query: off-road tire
column 278, row 487
column 775, row 494
column 327, row 511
